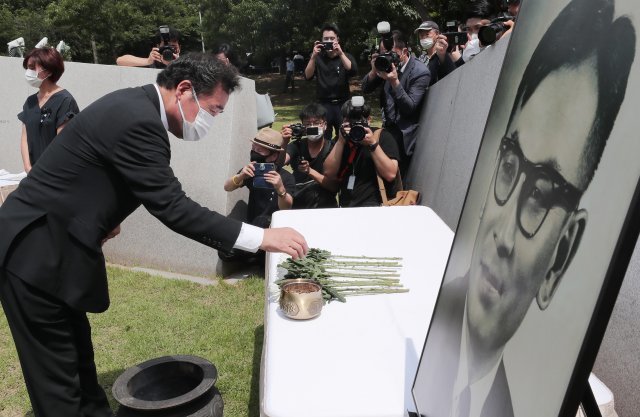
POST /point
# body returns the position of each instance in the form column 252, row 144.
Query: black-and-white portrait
column 552, row 186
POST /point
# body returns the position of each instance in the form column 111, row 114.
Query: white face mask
column 472, row 49
column 32, row 78
column 426, row 43
column 196, row 130
column 317, row 137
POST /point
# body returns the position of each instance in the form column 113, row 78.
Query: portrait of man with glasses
column 532, row 221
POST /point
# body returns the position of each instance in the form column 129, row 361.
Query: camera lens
column 357, row 133
column 383, row 63
column 167, row 53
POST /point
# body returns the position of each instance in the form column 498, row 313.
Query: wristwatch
column 373, row 146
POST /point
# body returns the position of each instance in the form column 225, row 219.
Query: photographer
column 404, row 82
column 167, row 48
column 358, row 158
column 332, row 67
column 269, row 191
column 434, row 51
column 306, row 155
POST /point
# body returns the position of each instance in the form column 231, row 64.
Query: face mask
column 256, row 157
column 472, row 49
column 32, row 78
column 317, row 137
column 426, row 43
column 196, row 130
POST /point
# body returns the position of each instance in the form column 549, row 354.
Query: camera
column 489, row 34
column 383, row 61
column 297, row 130
column 456, row 38
column 327, row 46
column 357, row 121
column 166, row 50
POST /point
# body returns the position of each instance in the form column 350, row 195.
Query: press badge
column 351, row 182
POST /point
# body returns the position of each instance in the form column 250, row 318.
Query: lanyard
column 353, row 150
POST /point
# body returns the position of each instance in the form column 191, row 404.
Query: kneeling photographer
column 268, row 183
column 359, row 156
column 306, row 154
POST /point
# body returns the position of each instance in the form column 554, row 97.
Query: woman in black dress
column 45, row 113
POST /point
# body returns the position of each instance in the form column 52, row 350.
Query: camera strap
column 353, row 150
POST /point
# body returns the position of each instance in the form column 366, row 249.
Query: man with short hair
column 155, row 59
column 356, row 160
column 402, row 94
column 531, row 225
column 306, row 155
column 111, row 158
column 332, row 67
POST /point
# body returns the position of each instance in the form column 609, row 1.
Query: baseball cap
column 270, row 139
column 428, row 25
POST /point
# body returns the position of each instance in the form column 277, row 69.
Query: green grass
column 151, row 317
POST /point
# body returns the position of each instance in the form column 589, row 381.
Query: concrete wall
column 452, row 126
column 201, row 166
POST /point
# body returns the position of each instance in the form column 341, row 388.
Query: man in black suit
column 531, row 224
column 110, row 160
column 403, row 91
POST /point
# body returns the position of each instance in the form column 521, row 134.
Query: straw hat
column 270, row 139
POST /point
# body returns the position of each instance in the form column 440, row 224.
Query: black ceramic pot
column 170, row 386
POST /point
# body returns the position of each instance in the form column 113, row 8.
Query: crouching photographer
column 306, row 154
column 359, row 156
column 269, row 187
column 167, row 48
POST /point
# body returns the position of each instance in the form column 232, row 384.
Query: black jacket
column 111, row 158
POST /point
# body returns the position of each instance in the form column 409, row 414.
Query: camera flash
column 357, row 101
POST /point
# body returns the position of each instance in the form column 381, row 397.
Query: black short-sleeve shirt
column 333, row 78
column 300, row 148
column 365, row 192
column 263, row 202
column 42, row 123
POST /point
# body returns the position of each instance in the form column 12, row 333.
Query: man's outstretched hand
column 285, row 240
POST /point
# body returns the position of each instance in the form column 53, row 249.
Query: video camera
column 489, row 34
column 357, row 121
column 166, row 50
column 383, row 61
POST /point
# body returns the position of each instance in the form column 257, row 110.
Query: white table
column 357, row 358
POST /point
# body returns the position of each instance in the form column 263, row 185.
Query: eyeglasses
column 543, row 187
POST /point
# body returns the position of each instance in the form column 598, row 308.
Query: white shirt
column 250, row 237
column 480, row 388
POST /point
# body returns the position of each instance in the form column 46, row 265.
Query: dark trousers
column 334, row 117
column 405, row 159
column 55, row 351
column 289, row 80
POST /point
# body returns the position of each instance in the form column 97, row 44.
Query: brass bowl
column 301, row 299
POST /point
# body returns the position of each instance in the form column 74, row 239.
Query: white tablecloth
column 357, row 358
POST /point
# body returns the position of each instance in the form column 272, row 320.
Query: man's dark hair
column 174, row 35
column 313, row 111
column 228, row 51
column 205, row 72
column 399, row 40
column 355, row 113
column 482, row 9
column 560, row 49
column 332, row 27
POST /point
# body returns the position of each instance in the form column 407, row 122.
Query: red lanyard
column 353, row 150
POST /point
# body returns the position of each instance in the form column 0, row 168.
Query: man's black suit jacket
column 401, row 106
column 111, row 158
column 443, row 348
